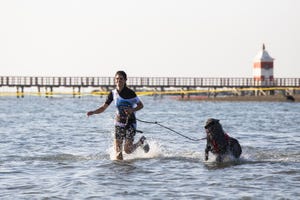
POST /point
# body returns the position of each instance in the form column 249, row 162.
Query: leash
column 155, row 122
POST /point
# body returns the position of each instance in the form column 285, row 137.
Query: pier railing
column 25, row 81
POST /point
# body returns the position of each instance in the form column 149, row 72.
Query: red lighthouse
column 263, row 67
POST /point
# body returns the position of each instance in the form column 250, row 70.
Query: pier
column 161, row 85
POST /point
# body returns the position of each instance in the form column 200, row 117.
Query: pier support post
column 162, row 89
column 20, row 94
column 49, row 94
column 79, row 92
column 39, row 91
column 76, row 93
column 188, row 94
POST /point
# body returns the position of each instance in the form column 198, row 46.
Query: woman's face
column 120, row 81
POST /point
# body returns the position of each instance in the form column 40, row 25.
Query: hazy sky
column 186, row 38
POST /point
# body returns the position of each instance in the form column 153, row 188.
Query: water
column 49, row 149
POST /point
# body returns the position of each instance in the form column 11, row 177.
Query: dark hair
column 122, row 73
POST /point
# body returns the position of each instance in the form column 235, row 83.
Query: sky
column 157, row 38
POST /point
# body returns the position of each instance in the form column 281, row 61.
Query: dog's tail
column 235, row 147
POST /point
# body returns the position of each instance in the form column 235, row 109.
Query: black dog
column 218, row 142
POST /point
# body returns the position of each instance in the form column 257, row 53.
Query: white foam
column 228, row 158
column 155, row 151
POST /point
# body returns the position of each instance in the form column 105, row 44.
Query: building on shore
column 263, row 68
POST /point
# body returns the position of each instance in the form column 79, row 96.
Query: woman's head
column 120, row 79
column 121, row 73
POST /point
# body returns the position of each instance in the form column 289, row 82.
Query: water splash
column 154, row 152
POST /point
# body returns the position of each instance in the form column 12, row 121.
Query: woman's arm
column 101, row 109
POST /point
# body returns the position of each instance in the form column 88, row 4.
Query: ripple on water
column 50, row 149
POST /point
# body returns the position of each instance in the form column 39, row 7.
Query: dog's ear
column 210, row 122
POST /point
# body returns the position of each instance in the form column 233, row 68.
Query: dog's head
column 215, row 136
column 213, row 125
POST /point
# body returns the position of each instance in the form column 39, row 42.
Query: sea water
column 50, row 149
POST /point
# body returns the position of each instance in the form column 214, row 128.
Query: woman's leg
column 118, row 149
column 129, row 146
column 119, row 136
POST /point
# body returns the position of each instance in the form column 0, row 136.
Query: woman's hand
column 129, row 111
column 90, row 113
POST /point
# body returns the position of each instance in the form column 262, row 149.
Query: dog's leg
column 207, row 149
column 206, row 156
column 235, row 148
column 219, row 158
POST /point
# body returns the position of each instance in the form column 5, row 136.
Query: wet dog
column 219, row 143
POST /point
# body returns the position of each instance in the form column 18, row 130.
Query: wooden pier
column 145, row 83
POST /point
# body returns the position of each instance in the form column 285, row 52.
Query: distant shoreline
column 269, row 98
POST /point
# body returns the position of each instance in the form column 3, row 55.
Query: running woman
column 127, row 103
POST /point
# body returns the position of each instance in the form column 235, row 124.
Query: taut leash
column 170, row 129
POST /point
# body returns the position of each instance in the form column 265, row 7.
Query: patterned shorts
column 122, row 133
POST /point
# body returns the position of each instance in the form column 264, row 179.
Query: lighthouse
column 263, row 68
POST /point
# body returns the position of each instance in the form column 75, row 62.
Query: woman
column 127, row 103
